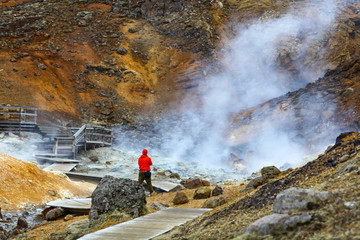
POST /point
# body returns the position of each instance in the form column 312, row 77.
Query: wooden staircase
column 67, row 145
column 61, row 144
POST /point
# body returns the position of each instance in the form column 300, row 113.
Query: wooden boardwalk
column 81, row 205
column 61, row 167
column 148, row 226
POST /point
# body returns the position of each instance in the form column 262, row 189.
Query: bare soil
column 24, row 183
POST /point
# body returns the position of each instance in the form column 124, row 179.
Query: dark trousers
column 148, row 181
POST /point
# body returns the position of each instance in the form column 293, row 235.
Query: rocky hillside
column 328, row 209
column 23, row 185
column 110, row 61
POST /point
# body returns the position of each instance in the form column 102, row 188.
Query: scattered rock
column 277, row 223
column 41, row 66
column 267, row 224
column 84, row 18
column 270, row 172
column 132, row 30
column 22, row 223
column 256, row 182
column 202, row 193
column 55, row 213
column 175, row 175
column 73, row 231
column 299, row 199
column 349, row 166
column 68, row 217
column 180, row 198
column 1, row 216
column 94, row 158
column 350, row 204
column 52, row 192
column 214, row 202
column 15, row 232
column 193, row 183
column 205, row 183
column 344, row 158
column 46, row 210
column 120, row 194
column 159, row 206
column 122, row 51
column 217, row 191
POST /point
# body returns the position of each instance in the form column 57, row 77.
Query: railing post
column 20, row 109
column 56, row 146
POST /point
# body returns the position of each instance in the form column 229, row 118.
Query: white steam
column 253, row 74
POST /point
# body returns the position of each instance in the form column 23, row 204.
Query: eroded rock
column 54, row 213
column 217, row 191
column 299, row 199
column 123, row 195
column 22, row 223
column 202, row 192
column 214, row 202
column 180, row 198
column 277, row 222
column 195, row 183
column 270, row 172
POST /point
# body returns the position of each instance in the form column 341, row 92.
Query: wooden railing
column 84, row 136
column 11, row 114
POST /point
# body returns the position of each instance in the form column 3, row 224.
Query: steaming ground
column 118, row 162
column 271, row 56
column 23, row 147
column 121, row 159
column 267, row 58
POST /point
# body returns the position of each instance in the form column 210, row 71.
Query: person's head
column 145, row 152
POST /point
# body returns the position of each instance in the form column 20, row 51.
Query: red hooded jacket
column 144, row 162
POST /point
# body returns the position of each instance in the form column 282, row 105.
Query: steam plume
column 253, row 73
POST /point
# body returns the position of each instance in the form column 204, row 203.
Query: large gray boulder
column 120, row 194
column 276, row 223
column 299, row 199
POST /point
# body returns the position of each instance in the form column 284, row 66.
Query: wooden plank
column 98, row 142
column 84, row 177
column 64, row 138
column 60, row 155
column 78, row 133
column 81, row 203
column 61, row 167
column 58, row 160
column 167, row 186
column 99, row 134
column 60, row 147
column 148, row 226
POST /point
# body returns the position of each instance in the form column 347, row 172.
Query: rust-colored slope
column 108, row 62
column 22, row 183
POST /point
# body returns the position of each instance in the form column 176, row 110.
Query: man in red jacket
column 144, row 170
